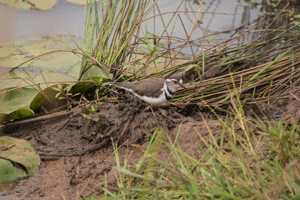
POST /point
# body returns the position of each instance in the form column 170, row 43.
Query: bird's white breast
column 154, row 101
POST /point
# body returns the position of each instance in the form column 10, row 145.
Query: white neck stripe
column 166, row 88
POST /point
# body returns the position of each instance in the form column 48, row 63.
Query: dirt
column 76, row 148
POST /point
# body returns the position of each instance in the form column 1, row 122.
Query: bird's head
column 174, row 84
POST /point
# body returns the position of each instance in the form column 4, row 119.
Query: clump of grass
column 107, row 43
column 264, row 68
column 282, row 141
column 234, row 164
column 239, row 162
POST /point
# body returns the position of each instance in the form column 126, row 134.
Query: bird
column 154, row 91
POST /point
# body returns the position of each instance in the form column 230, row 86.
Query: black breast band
column 167, row 97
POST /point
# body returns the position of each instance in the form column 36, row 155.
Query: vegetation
column 248, row 158
column 241, row 160
column 263, row 61
column 263, row 69
column 234, row 163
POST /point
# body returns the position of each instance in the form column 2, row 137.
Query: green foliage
column 90, row 70
column 16, row 103
column 24, row 92
column 282, row 140
column 63, row 92
column 151, row 47
column 237, row 164
column 20, row 151
column 8, row 172
column 91, row 110
column 108, row 41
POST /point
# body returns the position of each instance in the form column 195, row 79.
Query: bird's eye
column 175, row 82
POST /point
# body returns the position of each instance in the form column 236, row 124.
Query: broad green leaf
column 15, row 103
column 20, row 151
column 92, row 71
column 27, row 48
column 49, row 78
column 15, row 99
column 8, row 172
column 20, row 113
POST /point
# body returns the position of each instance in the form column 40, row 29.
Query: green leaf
column 197, row 68
column 21, row 113
column 296, row 16
column 93, row 110
column 56, row 89
column 141, row 50
column 20, row 151
column 92, row 71
column 86, row 116
column 56, row 96
column 15, row 103
column 74, row 95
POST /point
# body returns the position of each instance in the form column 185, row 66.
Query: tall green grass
column 263, row 69
column 107, row 41
column 247, row 159
column 234, row 163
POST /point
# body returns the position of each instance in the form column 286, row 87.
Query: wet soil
column 76, row 147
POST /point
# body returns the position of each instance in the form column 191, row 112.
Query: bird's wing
column 143, row 87
column 149, row 87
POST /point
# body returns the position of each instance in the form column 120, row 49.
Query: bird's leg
column 152, row 110
column 166, row 116
column 150, row 107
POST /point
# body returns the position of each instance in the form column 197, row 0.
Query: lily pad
column 92, row 71
column 20, row 87
column 16, row 78
column 17, row 158
column 49, row 78
column 30, row 4
column 80, row 2
column 15, row 103
column 22, row 49
column 16, row 99
column 9, row 172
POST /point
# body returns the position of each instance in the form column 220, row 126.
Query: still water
column 67, row 18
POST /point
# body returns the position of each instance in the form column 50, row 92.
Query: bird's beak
column 180, row 83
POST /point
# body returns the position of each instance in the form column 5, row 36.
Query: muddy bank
column 77, row 153
column 76, row 146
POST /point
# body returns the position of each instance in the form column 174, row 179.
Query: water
column 62, row 19
column 66, row 18
column 216, row 16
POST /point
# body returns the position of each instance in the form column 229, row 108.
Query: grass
column 233, row 163
column 247, row 158
column 263, row 69
column 115, row 48
column 109, row 42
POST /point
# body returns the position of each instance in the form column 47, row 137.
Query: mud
column 76, row 148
